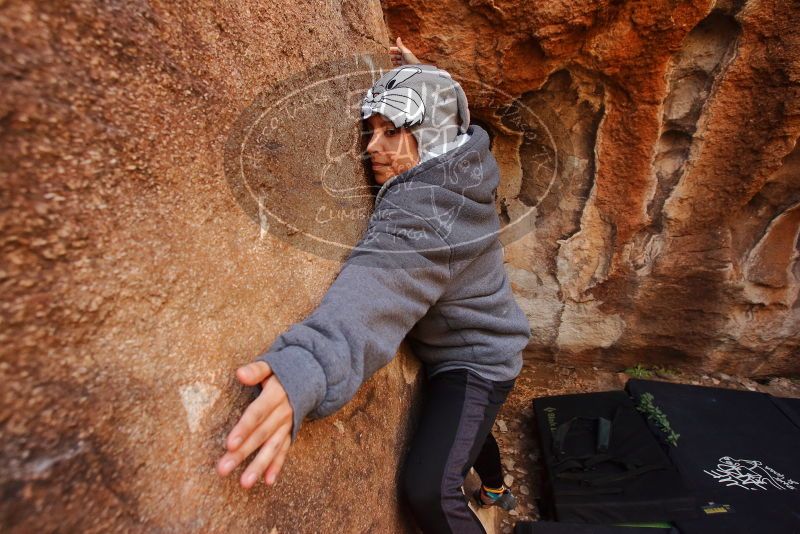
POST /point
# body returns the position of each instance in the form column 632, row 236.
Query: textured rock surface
column 133, row 284
column 657, row 143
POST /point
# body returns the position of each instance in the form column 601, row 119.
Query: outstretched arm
column 392, row 277
column 398, row 271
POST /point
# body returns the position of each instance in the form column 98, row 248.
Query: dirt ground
column 515, row 424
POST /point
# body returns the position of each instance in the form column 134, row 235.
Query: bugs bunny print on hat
column 425, row 99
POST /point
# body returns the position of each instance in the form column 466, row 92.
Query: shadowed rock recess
column 650, row 197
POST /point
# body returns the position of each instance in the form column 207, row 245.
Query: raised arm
column 401, row 55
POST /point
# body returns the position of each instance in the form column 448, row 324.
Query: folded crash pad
column 603, row 464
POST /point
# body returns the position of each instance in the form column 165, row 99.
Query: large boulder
column 134, row 282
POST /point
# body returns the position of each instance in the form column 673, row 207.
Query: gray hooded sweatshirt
column 430, row 268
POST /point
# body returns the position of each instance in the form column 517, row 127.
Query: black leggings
column 453, row 435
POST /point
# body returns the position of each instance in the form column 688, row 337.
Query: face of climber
column 391, row 150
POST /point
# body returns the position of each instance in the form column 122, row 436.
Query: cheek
column 410, row 146
column 391, row 147
column 401, row 149
column 395, row 144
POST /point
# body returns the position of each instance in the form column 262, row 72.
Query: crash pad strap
column 593, row 479
column 590, row 490
column 604, row 427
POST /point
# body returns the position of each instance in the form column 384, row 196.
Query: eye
column 391, row 132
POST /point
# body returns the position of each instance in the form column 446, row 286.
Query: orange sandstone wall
column 133, row 283
column 654, row 145
column 650, row 188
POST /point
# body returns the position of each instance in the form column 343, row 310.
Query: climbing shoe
column 486, row 498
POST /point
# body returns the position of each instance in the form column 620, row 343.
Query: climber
column 429, row 268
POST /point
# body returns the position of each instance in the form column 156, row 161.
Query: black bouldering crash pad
column 738, row 451
column 550, row 527
column 604, row 465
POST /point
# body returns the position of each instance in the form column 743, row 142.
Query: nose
column 374, row 143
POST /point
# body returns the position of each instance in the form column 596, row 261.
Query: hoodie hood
column 453, row 192
column 469, row 170
column 426, row 100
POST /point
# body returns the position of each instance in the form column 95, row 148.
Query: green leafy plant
column 647, row 406
column 639, row 371
column 665, row 372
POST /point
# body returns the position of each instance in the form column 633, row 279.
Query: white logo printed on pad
column 750, row 475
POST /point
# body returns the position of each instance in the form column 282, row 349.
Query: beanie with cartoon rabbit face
column 426, row 100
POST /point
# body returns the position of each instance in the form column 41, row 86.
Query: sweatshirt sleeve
column 394, row 274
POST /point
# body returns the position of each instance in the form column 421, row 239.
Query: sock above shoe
column 492, row 493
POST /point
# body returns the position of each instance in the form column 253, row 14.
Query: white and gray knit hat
column 425, row 99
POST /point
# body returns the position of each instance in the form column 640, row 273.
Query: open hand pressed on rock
column 266, row 423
